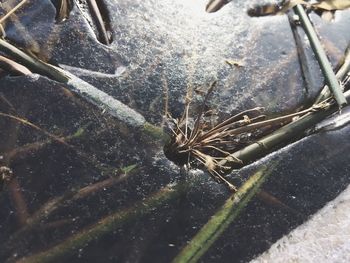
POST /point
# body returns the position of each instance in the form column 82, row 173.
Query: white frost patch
column 85, row 72
column 324, row 238
column 106, row 102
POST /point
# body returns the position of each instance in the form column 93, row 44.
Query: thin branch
column 19, row 5
column 35, row 127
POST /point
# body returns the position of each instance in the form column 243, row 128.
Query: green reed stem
column 222, row 219
column 321, row 56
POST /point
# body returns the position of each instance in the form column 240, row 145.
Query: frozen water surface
column 97, row 171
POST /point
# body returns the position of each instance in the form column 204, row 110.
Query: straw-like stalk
column 211, row 146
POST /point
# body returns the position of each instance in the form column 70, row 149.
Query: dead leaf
column 236, row 63
column 274, row 9
column 332, row 5
column 13, row 67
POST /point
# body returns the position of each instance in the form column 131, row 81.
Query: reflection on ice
column 336, row 122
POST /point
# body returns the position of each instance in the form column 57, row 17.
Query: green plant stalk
column 325, row 65
column 155, row 132
column 282, row 135
column 105, row 226
column 219, row 222
column 97, row 97
column 291, row 130
column 345, row 68
column 302, row 57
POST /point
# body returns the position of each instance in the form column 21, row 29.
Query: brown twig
column 35, row 127
column 19, row 5
column 59, row 140
column 13, row 67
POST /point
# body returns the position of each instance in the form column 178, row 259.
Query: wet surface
column 160, row 52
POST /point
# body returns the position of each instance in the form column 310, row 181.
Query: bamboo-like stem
column 105, row 226
column 325, row 65
column 97, row 97
column 325, row 93
column 213, row 229
column 291, row 130
column 282, row 135
column 222, row 219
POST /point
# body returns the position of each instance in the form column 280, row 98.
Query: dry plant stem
column 27, row 123
column 215, row 5
column 30, row 148
column 223, row 125
column 61, row 141
column 105, row 226
column 197, row 141
column 99, row 21
column 62, row 11
column 274, row 121
column 19, row 5
column 7, row 103
column 2, row 31
column 30, row 222
column 13, row 67
column 271, row 200
column 26, row 150
column 77, row 194
column 282, row 135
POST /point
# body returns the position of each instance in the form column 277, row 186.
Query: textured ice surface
column 324, row 238
column 161, row 51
